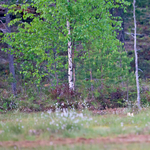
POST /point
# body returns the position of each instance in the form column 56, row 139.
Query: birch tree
column 70, row 65
column 136, row 57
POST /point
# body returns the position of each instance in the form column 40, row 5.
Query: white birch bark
column 70, row 65
column 136, row 58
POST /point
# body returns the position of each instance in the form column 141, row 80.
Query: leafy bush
column 111, row 98
column 62, row 93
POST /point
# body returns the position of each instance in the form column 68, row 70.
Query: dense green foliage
column 40, row 45
column 46, row 36
column 101, row 64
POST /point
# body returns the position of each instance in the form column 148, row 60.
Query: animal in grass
column 130, row 114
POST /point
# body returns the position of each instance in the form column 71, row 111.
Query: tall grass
column 17, row 126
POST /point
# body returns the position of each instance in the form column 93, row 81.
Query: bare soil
column 69, row 141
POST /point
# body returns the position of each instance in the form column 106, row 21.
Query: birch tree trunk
column 136, row 58
column 70, row 65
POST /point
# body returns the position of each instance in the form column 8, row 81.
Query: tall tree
column 10, row 56
column 136, row 57
column 70, row 63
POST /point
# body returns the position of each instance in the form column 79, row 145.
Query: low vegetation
column 50, row 126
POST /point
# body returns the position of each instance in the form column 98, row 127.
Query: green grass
column 131, row 146
column 105, row 147
column 18, row 126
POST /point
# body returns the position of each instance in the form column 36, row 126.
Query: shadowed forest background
column 34, row 55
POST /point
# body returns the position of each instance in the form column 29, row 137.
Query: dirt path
column 67, row 141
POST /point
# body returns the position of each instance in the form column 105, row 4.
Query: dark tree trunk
column 10, row 56
column 120, row 35
column 118, row 12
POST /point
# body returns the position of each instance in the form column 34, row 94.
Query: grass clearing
column 131, row 146
column 18, row 126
